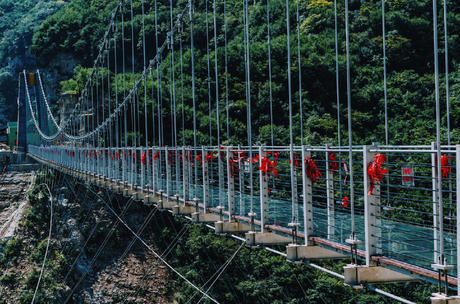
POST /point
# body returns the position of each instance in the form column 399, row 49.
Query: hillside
column 18, row 20
column 410, row 66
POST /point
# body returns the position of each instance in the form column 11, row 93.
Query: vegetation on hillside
column 18, row 20
column 91, row 233
column 409, row 51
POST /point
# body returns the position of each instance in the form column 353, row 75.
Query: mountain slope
column 18, row 20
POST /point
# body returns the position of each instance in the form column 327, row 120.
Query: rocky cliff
column 18, row 20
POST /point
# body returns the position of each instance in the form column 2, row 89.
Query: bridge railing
column 396, row 212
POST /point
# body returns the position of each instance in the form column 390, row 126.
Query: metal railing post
column 154, row 172
column 230, row 183
column 185, row 174
column 457, row 178
column 241, row 184
column 168, row 172
column 142, row 151
column 177, row 167
column 371, row 201
column 307, row 190
column 435, row 187
column 330, row 196
column 220, row 172
column 263, row 181
column 206, row 201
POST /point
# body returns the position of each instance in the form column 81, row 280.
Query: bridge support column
column 154, row 173
column 371, row 273
column 206, row 200
column 435, row 187
column 241, row 184
column 264, row 236
column 263, row 188
column 457, row 161
column 231, row 225
column 440, row 264
column 371, row 207
column 185, row 174
column 168, row 172
column 230, row 183
column 307, row 191
column 149, row 191
column 143, row 160
column 205, row 217
column 309, row 250
column 220, row 171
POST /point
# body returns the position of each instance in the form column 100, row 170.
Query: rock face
column 13, row 200
column 17, row 23
column 136, row 279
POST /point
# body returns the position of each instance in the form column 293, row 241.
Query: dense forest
column 78, row 28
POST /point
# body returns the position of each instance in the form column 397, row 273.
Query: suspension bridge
column 390, row 210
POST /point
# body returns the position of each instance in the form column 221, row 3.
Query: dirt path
column 13, row 200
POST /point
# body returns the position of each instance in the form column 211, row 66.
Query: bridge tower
column 22, row 121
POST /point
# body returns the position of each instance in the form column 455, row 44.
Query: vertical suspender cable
column 160, row 96
column 226, row 70
column 153, row 108
column 337, row 89
column 245, row 55
column 102, row 101
column 117, row 122
column 209, row 75
column 133, row 75
column 124, row 76
column 109, row 110
column 102, row 96
column 158, row 74
column 171, row 97
column 193, row 84
column 385, row 94
column 269, row 53
column 145, row 79
column 182, row 82
column 291, row 139
column 300, row 73
column 438, row 131
column 384, row 72
column 446, row 59
column 125, row 112
column 446, row 64
column 350, row 136
column 270, row 72
column 173, row 74
column 97, row 117
column 216, row 73
column 248, row 73
column 93, row 116
column 134, row 102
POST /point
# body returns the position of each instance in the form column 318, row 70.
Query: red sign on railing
column 407, row 176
